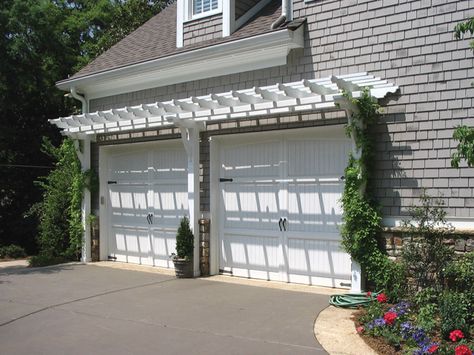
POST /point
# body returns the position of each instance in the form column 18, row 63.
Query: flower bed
column 396, row 329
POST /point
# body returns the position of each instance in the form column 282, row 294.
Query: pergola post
column 83, row 149
column 190, row 137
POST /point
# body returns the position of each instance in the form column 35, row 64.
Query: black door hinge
column 111, row 182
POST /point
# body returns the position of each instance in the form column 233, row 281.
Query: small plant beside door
column 183, row 258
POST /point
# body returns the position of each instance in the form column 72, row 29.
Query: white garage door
column 280, row 208
column 147, row 198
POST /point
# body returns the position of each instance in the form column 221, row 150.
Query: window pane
column 201, row 6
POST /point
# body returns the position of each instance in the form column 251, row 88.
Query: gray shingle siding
column 409, row 43
column 203, row 29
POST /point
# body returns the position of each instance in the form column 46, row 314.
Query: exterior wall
column 202, row 29
column 409, row 43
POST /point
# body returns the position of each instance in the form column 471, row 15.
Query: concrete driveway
column 86, row 309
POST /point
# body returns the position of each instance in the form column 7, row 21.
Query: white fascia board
column 253, row 53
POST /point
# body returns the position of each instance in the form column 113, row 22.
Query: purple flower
column 379, row 322
column 370, row 325
column 406, row 329
column 419, row 337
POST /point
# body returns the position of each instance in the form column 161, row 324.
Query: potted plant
column 183, row 259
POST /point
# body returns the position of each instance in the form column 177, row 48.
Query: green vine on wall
column 361, row 218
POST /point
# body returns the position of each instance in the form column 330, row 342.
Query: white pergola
column 300, row 96
column 192, row 114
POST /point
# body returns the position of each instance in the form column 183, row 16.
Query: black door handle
column 149, row 218
column 285, row 224
column 279, row 223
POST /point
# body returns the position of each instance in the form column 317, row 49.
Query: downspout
column 283, row 17
column 82, row 99
column 84, row 156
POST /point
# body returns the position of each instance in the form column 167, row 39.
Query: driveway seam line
column 82, row 299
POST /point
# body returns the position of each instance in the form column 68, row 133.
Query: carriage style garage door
column 147, row 197
column 280, row 207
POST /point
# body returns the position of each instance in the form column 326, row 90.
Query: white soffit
column 300, row 96
column 253, row 53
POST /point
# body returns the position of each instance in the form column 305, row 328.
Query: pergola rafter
column 305, row 95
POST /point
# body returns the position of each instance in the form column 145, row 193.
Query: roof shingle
column 157, row 38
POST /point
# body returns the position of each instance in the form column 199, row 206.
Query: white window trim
column 188, row 11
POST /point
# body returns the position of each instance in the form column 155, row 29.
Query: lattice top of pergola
column 300, row 96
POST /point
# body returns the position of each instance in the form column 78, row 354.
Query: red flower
column 455, row 335
column 382, row 298
column 390, row 317
column 433, row 348
column 369, row 294
column 360, row 329
column 462, row 350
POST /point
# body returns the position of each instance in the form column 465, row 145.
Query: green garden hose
column 351, row 300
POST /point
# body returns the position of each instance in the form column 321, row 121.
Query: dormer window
column 194, row 9
column 204, row 6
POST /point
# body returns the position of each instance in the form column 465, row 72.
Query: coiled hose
column 352, row 300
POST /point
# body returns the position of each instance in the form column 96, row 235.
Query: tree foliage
column 43, row 41
column 464, row 134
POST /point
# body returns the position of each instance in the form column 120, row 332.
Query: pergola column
column 190, row 138
column 83, row 149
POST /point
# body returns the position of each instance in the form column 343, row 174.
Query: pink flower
column 369, row 294
column 360, row 329
column 390, row 317
column 382, row 298
column 462, row 350
column 433, row 348
column 455, row 335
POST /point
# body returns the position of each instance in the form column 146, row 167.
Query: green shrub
column 460, row 273
column 12, row 251
column 453, row 309
column 424, row 252
column 46, row 260
column 184, row 240
column 427, row 315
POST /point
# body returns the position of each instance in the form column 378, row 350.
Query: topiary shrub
column 184, row 241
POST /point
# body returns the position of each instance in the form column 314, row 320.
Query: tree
column 43, row 41
column 463, row 134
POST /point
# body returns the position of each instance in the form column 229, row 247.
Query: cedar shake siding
column 203, row 29
column 409, row 43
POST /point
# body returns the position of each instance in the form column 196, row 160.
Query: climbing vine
column 361, row 218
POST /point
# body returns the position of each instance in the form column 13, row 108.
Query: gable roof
column 157, row 39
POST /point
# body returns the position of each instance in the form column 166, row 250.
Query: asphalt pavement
column 87, row 309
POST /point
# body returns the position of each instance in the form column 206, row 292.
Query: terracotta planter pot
column 183, row 268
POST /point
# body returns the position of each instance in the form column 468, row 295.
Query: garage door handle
column 279, row 223
column 149, row 218
column 285, row 224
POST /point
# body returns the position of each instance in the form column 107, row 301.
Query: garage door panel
column 131, row 245
column 314, row 206
column 251, row 256
column 170, row 204
column 250, row 205
column 317, row 259
column 130, row 166
column 129, row 204
column 312, row 158
column 298, row 182
column 170, row 164
column 164, row 244
column 147, row 198
column 251, row 160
